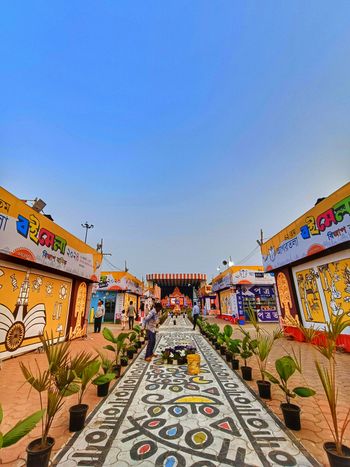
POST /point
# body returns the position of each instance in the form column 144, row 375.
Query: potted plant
column 116, row 348
column 124, row 359
column 338, row 454
column 139, row 338
column 165, row 354
column 246, row 352
column 262, row 348
column 58, row 382
column 286, row 366
column 234, row 349
column 102, row 381
column 21, row 429
column 86, row 369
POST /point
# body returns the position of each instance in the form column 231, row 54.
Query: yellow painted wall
column 41, row 301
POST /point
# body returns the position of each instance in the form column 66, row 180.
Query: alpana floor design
column 158, row 415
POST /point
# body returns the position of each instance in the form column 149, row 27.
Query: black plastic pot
column 36, row 457
column 124, row 362
column 246, row 373
column 291, row 415
column 130, row 354
column 102, row 389
column 228, row 357
column 235, row 364
column 264, row 389
column 77, row 416
column 138, row 344
column 182, row 361
column 334, row 459
column 223, row 350
column 217, row 345
column 117, row 369
column 170, row 361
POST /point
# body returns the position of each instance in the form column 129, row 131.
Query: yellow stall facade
column 46, row 275
column 311, row 262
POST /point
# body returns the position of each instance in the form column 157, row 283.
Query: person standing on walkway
column 151, row 322
column 195, row 313
column 124, row 319
column 99, row 314
column 131, row 314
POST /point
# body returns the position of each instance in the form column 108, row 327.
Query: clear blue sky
column 178, row 128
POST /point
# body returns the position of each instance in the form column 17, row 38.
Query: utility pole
column 87, row 227
column 126, row 269
column 261, row 241
column 99, row 247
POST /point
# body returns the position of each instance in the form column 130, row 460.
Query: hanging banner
column 325, row 225
column 27, row 234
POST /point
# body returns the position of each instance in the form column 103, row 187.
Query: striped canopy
column 177, row 280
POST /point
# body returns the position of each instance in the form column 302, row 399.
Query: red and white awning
column 181, row 279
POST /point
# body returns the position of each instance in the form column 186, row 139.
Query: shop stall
column 116, row 289
column 208, row 301
column 311, row 262
column 46, row 277
column 244, row 288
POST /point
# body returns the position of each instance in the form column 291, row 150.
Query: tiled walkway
column 158, row 415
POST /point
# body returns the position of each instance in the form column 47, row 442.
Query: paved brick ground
column 17, row 404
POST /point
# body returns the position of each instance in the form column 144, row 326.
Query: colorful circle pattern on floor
column 158, row 415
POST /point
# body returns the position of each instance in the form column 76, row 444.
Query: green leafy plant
column 21, row 429
column 107, row 366
column 57, row 381
column 85, row 370
column 262, row 347
column 117, row 341
column 309, row 333
column 246, row 348
column 234, row 346
column 286, row 366
column 328, row 376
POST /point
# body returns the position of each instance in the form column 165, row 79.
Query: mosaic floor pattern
column 158, row 415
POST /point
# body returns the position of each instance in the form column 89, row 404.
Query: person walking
column 99, row 314
column 124, row 319
column 195, row 313
column 131, row 314
column 151, row 322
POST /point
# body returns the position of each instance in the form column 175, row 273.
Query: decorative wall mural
column 27, row 311
column 335, row 280
column 310, row 295
column 78, row 324
column 289, row 316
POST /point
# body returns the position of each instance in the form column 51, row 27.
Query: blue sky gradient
column 177, row 128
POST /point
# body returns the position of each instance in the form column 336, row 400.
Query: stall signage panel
column 324, row 226
column 222, row 283
column 26, row 234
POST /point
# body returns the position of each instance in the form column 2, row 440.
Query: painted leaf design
column 35, row 321
column 6, row 321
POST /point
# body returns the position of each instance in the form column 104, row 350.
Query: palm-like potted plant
column 338, row 454
column 262, row 348
column 103, row 380
column 117, row 347
column 58, row 382
column 286, row 366
column 21, row 429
